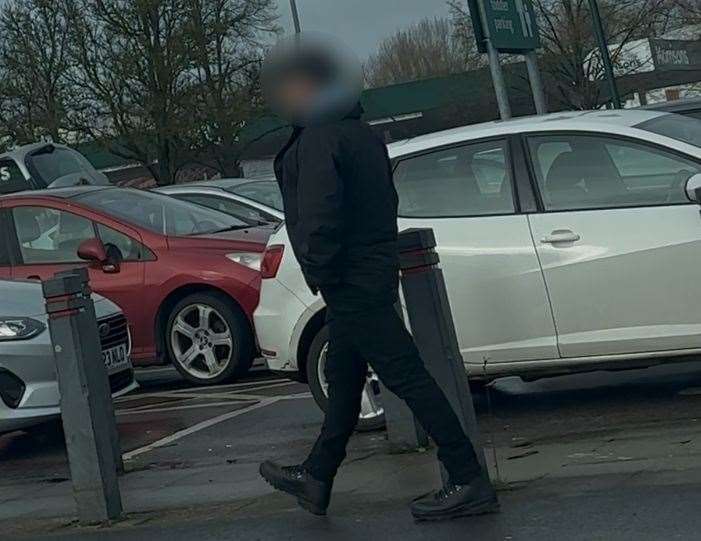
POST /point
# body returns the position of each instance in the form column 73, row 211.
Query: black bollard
column 431, row 323
column 87, row 413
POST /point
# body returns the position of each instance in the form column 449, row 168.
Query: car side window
column 47, row 235
column 122, row 246
column 264, row 192
column 233, row 208
column 579, row 172
column 11, row 178
column 471, row 180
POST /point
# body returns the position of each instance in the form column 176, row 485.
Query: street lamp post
column 605, row 56
column 295, row 16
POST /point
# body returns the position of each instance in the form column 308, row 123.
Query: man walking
column 341, row 216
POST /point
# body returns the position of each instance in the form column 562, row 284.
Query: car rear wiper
column 226, row 229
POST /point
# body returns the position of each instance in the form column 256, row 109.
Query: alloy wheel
column 201, row 341
column 371, row 404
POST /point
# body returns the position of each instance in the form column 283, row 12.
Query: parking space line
column 181, row 408
column 196, row 428
column 190, row 393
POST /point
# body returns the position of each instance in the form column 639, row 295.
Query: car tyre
column 315, row 359
column 204, row 319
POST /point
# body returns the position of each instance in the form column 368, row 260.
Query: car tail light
column 271, row 260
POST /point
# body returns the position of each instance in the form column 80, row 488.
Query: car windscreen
column 160, row 213
column 681, row 128
column 52, row 163
column 264, row 192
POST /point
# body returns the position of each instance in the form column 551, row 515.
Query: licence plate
column 116, row 358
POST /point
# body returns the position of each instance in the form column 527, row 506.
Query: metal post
column 541, row 106
column 495, row 69
column 86, row 403
column 295, row 16
column 432, row 326
column 605, row 56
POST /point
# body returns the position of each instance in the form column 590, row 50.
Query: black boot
column 311, row 494
column 454, row 501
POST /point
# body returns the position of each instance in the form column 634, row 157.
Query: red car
column 187, row 277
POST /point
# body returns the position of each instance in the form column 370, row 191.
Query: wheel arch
column 313, row 326
column 175, row 296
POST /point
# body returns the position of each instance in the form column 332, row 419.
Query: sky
column 362, row 24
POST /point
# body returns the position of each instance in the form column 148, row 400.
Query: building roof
column 408, row 109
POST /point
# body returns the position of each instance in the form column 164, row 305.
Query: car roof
column 20, row 153
column 687, row 104
column 220, row 184
column 598, row 120
column 59, row 193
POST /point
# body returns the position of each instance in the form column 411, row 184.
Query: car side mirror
column 693, row 188
column 93, row 250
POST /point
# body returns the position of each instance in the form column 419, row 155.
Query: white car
column 569, row 242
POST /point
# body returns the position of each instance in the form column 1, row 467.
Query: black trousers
column 378, row 335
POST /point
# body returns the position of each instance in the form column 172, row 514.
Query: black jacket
column 341, row 208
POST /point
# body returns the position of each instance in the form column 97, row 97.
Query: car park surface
column 186, row 277
column 28, row 387
column 568, row 243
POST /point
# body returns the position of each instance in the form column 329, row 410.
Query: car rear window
column 682, row 128
column 160, row 213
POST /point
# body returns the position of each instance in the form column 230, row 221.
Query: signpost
column 511, row 25
column 508, row 26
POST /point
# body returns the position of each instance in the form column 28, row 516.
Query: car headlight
column 252, row 260
column 19, row 328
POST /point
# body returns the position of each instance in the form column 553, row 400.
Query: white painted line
column 164, row 409
column 192, row 393
column 239, row 398
column 196, row 428
column 235, row 385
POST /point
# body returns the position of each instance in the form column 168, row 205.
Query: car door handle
column 560, row 235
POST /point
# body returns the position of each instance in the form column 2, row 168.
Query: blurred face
column 295, row 95
column 311, row 79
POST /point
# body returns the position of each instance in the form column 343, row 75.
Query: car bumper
column 275, row 321
column 32, row 363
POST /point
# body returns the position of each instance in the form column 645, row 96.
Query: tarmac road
column 628, row 445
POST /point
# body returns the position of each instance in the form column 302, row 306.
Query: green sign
column 512, row 24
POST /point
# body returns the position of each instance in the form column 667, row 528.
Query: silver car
column 46, row 165
column 28, row 387
column 252, row 200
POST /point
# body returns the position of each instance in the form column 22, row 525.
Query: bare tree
column 226, row 49
column 130, row 67
column 568, row 56
column 429, row 48
column 569, row 44
column 34, row 92
column 688, row 11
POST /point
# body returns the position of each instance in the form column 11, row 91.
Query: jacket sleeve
column 320, row 193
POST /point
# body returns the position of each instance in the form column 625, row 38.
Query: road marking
column 239, row 398
column 196, row 428
column 192, row 393
column 141, row 410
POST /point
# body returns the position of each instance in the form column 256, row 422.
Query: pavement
column 595, row 456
